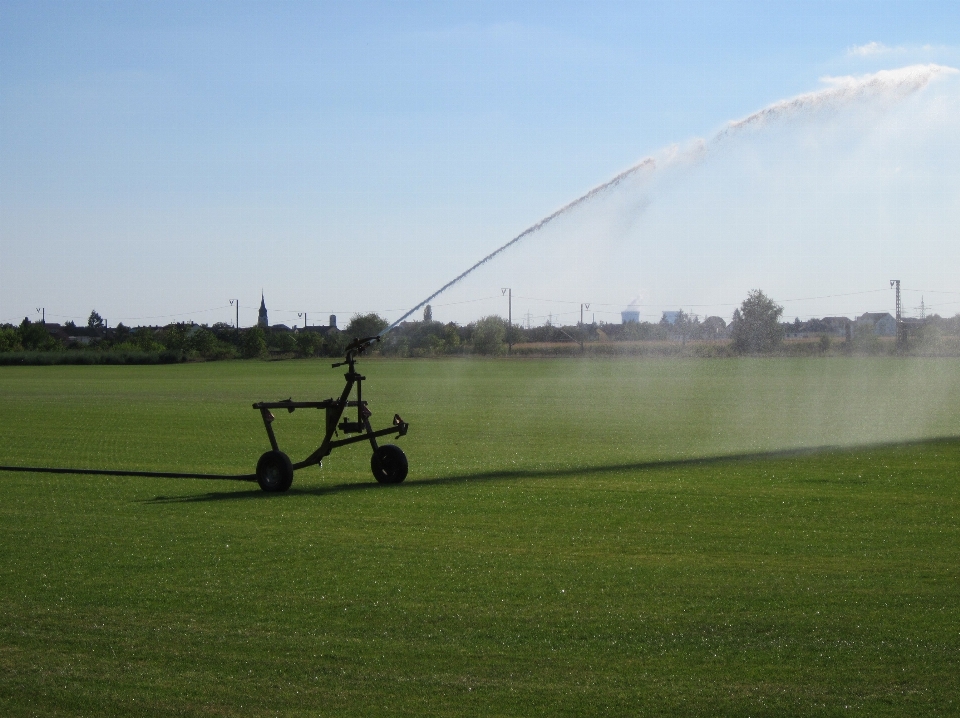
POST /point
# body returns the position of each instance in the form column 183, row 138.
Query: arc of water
column 647, row 163
column 893, row 84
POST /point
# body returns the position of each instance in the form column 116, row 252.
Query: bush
column 488, row 336
column 283, row 342
column 309, row 344
column 865, row 340
column 9, row 340
column 36, row 337
column 365, row 325
column 254, row 343
column 334, row 343
column 174, row 337
column 144, row 339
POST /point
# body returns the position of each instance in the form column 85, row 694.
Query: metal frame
column 334, row 410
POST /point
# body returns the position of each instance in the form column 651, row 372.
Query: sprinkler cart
column 388, row 463
column 275, row 470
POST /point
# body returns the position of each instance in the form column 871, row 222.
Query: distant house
column 812, row 328
column 56, row 331
column 332, row 327
column 882, row 323
column 69, row 335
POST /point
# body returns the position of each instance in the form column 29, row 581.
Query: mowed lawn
column 620, row 537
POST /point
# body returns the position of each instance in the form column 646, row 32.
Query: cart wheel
column 389, row 464
column 274, row 471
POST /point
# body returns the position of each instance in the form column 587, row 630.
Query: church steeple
column 262, row 319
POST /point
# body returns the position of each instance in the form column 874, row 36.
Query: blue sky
column 159, row 159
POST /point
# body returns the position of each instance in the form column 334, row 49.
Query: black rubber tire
column 389, row 464
column 274, row 472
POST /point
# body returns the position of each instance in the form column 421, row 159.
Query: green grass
column 570, row 541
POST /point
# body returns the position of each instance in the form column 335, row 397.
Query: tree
column 283, row 341
column 224, row 332
column 365, row 325
column 713, row 327
column 174, row 336
column 488, row 335
column 95, row 321
column 35, row 337
column 144, row 339
column 309, row 344
column 334, row 343
column 202, row 341
column 254, row 343
column 121, row 333
column 451, row 337
column 687, row 326
column 513, row 334
column 756, row 325
column 9, row 339
column 427, row 314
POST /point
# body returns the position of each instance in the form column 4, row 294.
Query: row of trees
column 175, row 341
column 755, row 329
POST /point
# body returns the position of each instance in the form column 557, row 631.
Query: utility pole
column 896, row 283
column 587, row 305
column 509, row 292
column 304, row 315
column 42, row 311
column 236, row 302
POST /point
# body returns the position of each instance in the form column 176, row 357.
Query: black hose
column 115, row 472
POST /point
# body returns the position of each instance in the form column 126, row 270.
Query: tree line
column 756, row 328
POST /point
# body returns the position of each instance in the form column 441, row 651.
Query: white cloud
column 878, row 49
column 870, row 49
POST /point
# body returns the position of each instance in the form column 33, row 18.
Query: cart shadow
column 537, row 474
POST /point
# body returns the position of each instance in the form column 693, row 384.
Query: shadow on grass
column 555, row 473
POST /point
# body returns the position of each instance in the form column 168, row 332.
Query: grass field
column 625, row 537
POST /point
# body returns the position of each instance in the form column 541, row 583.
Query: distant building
column 813, row 328
column 262, row 318
column 882, row 323
column 628, row 316
column 321, row 330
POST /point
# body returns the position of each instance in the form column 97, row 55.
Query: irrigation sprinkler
column 274, row 469
column 388, row 463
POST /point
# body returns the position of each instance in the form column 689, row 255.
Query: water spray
column 648, row 163
column 274, row 471
column 889, row 85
